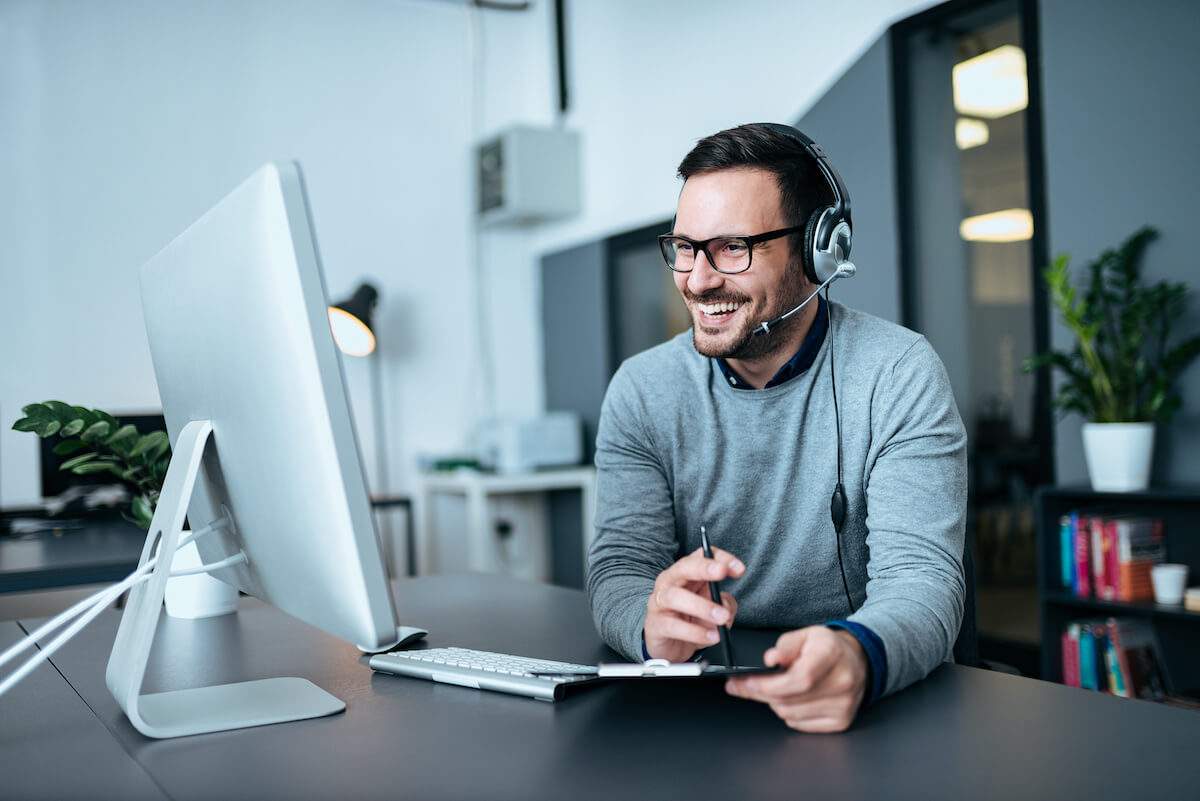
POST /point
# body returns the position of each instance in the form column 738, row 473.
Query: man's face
column 736, row 202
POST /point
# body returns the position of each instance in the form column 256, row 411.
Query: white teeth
column 718, row 308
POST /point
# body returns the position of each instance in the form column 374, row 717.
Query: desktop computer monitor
column 255, row 400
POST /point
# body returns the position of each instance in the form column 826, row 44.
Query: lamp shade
column 351, row 321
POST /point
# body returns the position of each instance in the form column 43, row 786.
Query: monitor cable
column 89, row 608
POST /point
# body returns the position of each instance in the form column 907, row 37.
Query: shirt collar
column 798, row 364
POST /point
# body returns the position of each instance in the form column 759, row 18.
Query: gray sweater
column 677, row 448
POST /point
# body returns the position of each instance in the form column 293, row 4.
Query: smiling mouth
column 717, row 314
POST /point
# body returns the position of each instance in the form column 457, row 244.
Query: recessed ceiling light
column 1009, row 225
column 970, row 133
column 993, row 84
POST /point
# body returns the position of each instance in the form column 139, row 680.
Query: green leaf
column 147, row 442
column 143, row 511
column 71, row 464
column 97, row 467
column 96, row 431
column 27, row 424
column 61, row 411
column 67, row 447
column 38, row 411
column 74, row 427
column 50, row 429
column 122, row 436
column 158, row 450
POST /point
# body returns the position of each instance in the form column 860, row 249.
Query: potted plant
column 98, row 443
column 1121, row 373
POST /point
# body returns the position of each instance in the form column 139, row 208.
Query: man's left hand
column 823, row 685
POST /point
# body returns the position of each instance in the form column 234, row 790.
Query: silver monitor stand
column 220, row 707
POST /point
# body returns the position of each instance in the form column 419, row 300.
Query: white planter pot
column 1118, row 455
column 199, row 595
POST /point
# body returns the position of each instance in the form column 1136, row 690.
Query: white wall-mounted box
column 528, row 175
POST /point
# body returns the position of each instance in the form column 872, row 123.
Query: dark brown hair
column 802, row 187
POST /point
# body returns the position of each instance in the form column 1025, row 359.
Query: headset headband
column 841, row 196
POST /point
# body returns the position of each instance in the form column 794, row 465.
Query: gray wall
column 576, row 343
column 853, row 123
column 1121, row 118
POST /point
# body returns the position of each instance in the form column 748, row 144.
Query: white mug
column 199, row 595
column 1169, row 583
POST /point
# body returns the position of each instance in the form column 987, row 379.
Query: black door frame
column 899, row 33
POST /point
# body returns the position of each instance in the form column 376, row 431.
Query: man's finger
column 678, row 599
column 803, row 676
column 787, row 648
column 696, row 567
column 830, row 714
column 680, row 630
column 730, row 603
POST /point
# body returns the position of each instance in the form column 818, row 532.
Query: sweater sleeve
column 916, row 489
column 635, row 521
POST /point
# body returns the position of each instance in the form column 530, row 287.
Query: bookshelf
column 1177, row 629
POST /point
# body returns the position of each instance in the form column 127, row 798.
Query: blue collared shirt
column 797, row 365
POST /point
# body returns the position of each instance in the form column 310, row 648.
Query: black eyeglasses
column 726, row 254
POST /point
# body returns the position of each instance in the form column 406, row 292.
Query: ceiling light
column 970, row 133
column 1009, row 225
column 993, row 84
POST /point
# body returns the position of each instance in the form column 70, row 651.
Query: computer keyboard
column 484, row 670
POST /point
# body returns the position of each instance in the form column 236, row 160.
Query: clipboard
column 662, row 669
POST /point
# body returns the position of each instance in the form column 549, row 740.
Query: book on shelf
column 1118, row 656
column 1110, row 557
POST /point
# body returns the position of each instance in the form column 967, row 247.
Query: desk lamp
column 350, row 320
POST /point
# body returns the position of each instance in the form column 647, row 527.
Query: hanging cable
column 89, row 608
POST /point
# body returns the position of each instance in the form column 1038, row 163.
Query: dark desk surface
column 102, row 550
column 52, row 746
column 962, row 733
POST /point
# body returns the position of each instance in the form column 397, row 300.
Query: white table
column 477, row 488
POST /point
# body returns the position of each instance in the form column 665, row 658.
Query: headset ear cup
column 808, row 249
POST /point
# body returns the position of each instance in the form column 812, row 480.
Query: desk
column 477, row 487
column 52, row 746
column 99, row 551
column 962, row 733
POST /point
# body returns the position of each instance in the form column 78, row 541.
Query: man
column 735, row 430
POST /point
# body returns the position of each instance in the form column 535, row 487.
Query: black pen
column 726, row 647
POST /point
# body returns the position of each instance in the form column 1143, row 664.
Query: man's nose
column 703, row 278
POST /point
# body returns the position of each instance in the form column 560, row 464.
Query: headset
column 825, row 254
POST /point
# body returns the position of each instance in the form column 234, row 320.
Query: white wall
column 121, row 122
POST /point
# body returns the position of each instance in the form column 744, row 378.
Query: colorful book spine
column 1087, row 660
column 1116, row 682
column 1083, row 586
column 1066, row 554
column 1120, row 656
column 1108, row 542
column 1070, row 655
column 1096, row 530
column 1140, row 545
column 1120, row 664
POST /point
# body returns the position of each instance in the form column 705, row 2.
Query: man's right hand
column 680, row 615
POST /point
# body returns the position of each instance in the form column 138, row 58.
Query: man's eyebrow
column 717, row 236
